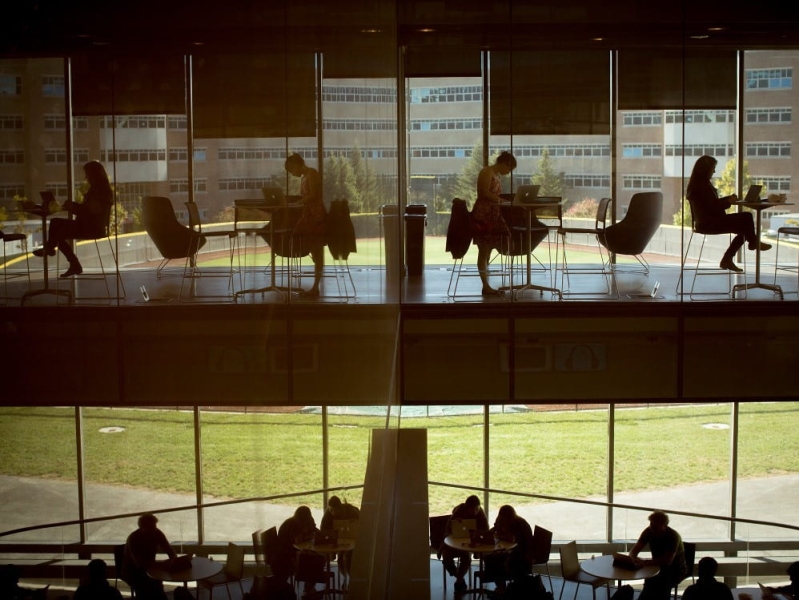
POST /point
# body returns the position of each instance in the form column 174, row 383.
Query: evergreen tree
column 551, row 183
column 365, row 182
column 465, row 187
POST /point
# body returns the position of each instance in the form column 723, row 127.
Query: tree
column 552, row 184
column 584, row 209
column 339, row 182
column 365, row 182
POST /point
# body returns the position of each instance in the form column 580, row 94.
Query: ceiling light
column 426, row 30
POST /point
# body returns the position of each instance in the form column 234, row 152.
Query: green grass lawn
column 559, row 453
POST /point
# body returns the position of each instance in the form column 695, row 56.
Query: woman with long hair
column 710, row 217
column 90, row 222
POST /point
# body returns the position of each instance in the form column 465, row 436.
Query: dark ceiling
column 55, row 27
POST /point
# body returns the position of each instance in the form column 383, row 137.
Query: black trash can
column 389, row 231
column 415, row 223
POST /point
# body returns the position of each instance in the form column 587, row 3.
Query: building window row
column 58, row 156
column 716, row 150
column 773, row 116
column 365, row 152
column 648, row 118
column 12, row 157
column 10, row 85
column 182, row 154
column 641, row 150
column 259, row 153
column 181, row 186
column 53, row 85
column 59, row 123
column 768, row 150
column 132, row 155
column 365, row 95
column 774, row 184
column 587, row 180
column 641, row 182
column 131, row 193
column 769, row 79
column 456, row 93
column 562, row 150
column 441, row 152
column 11, row 122
column 60, row 189
column 9, row 190
column 360, row 124
column 238, row 184
column 446, row 124
column 177, row 122
column 700, row 116
column 134, row 122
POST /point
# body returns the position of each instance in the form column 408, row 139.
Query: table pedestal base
column 758, row 285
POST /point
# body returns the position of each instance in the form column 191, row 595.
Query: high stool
column 790, row 269
column 700, row 271
column 10, row 238
column 101, row 276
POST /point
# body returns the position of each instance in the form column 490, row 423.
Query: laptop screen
column 753, row 194
column 526, row 194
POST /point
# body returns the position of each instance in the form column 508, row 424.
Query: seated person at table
column 296, row 529
column 706, row 586
column 91, row 218
column 710, row 216
column 470, row 509
column 667, row 553
column 340, row 511
column 517, row 562
column 10, row 589
column 274, row 587
column 791, row 590
column 96, row 587
column 141, row 548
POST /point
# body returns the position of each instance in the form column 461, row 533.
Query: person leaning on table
column 470, row 509
column 141, row 548
column 668, row 554
column 517, row 562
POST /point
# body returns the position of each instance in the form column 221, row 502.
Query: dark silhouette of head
column 701, row 173
column 304, row 516
column 98, row 570
column 9, row 577
column 707, row 567
column 658, row 521
column 147, row 521
column 295, row 164
column 334, row 502
column 793, row 572
column 473, row 504
column 95, row 174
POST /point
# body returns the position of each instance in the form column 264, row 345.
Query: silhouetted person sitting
column 668, row 554
column 340, row 511
column 470, row 509
column 96, row 586
column 517, row 562
column 10, row 589
column 706, row 586
column 141, row 549
column 791, row 589
column 296, row 529
column 710, row 216
column 91, row 218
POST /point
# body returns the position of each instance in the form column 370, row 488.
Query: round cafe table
column 201, row 568
column 602, row 566
column 464, row 544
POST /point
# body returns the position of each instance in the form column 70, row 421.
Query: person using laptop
column 791, row 590
column 668, row 554
column 300, row 527
column 470, row 509
column 91, row 218
column 706, row 587
column 489, row 230
column 141, row 549
column 340, row 511
column 710, row 217
column 517, row 562
column 312, row 225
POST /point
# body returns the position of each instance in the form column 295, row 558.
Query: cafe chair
column 191, row 270
column 690, row 265
column 258, row 553
column 172, row 239
column 542, row 547
column 341, row 243
column 119, row 561
column 438, row 531
column 459, row 239
column 690, row 561
column 785, row 231
column 571, row 571
column 269, row 545
column 631, row 235
column 600, row 220
column 232, row 572
column 22, row 240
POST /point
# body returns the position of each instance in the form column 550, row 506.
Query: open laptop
column 346, row 528
column 753, row 193
column 526, row 194
column 462, row 527
column 625, row 561
column 325, row 537
column 48, row 197
column 481, row 538
column 274, row 196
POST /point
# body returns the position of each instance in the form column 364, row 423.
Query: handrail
column 616, row 505
column 174, row 509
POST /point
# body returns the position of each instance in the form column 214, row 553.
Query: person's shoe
column 726, row 263
column 40, row 252
column 460, row 585
column 488, row 292
column 312, row 293
column 763, row 246
column 73, row 270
